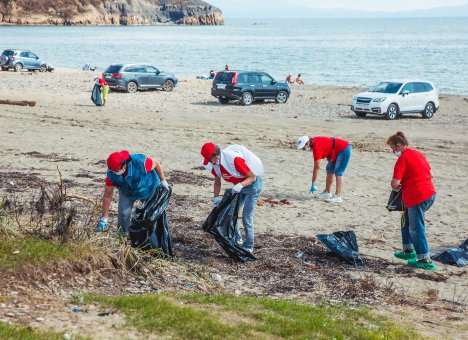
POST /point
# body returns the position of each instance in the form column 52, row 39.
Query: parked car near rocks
column 397, row 97
column 21, row 59
column 134, row 77
column 247, row 87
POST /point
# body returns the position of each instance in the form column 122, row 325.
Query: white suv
column 397, row 97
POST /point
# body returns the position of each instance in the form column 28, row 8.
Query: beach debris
column 76, row 309
column 457, row 256
column 344, row 244
column 10, row 314
column 273, row 201
column 216, row 278
column 39, row 319
column 18, row 102
column 66, row 336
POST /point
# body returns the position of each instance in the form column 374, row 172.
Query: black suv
column 248, row 86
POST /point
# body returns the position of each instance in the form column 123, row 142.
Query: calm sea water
column 326, row 51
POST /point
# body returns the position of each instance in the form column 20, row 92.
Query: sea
column 344, row 52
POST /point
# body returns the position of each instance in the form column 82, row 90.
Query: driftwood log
column 18, row 102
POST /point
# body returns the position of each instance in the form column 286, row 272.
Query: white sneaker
column 334, row 199
column 324, row 196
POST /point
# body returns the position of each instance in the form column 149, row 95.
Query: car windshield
column 113, row 69
column 386, row 87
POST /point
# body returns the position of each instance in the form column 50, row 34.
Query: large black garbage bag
column 343, row 243
column 457, row 256
column 222, row 224
column 150, row 227
column 96, row 95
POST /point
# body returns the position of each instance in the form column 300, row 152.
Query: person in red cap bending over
column 137, row 177
column 241, row 167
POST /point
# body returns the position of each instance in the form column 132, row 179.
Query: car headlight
column 379, row 100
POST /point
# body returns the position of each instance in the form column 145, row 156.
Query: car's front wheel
column 132, row 87
column 392, row 112
column 168, row 85
column 428, row 111
column 247, row 98
column 223, row 100
column 360, row 114
column 282, row 97
column 18, row 67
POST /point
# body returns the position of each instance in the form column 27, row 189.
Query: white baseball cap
column 302, row 141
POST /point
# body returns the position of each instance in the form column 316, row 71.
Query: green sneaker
column 404, row 255
column 422, row 265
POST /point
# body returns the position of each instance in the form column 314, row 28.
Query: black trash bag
column 457, row 256
column 150, row 227
column 222, row 224
column 344, row 244
column 96, row 95
column 395, row 201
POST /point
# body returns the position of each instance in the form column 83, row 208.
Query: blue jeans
column 338, row 167
column 413, row 232
column 124, row 213
column 249, row 196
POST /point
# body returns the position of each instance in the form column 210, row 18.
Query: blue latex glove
column 102, row 225
column 312, row 188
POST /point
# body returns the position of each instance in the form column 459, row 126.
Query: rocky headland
column 108, row 12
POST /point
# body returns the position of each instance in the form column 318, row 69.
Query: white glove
column 164, row 184
column 237, row 188
column 216, row 200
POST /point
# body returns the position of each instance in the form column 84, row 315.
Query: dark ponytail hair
column 397, row 138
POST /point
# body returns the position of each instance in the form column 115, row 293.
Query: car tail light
column 117, row 75
column 234, row 79
column 12, row 57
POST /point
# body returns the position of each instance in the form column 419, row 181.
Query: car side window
column 129, row 69
column 242, row 78
column 140, row 69
column 266, row 80
column 254, row 79
column 151, row 69
column 428, row 87
column 24, row 55
column 419, row 87
column 408, row 87
column 32, row 55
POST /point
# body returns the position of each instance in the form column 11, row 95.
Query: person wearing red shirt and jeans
column 241, row 167
column 412, row 175
column 338, row 152
column 137, row 177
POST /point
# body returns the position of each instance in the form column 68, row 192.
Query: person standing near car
column 137, row 177
column 241, row 167
column 338, row 152
column 413, row 176
column 104, row 86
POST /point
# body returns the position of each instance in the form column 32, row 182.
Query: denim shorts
column 338, row 167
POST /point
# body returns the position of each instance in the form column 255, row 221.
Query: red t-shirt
column 148, row 167
column 241, row 167
column 322, row 147
column 102, row 82
column 414, row 172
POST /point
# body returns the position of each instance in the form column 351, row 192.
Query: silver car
column 18, row 60
column 134, row 77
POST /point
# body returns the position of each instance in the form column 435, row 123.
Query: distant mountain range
column 297, row 12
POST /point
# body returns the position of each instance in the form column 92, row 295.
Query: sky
column 298, row 8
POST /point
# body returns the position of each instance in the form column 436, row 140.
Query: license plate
column 221, row 86
column 108, row 76
column 362, row 106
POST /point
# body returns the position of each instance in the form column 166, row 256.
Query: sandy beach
column 66, row 130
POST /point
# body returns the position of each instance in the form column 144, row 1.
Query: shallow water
column 356, row 52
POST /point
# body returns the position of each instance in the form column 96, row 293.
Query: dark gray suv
column 134, row 77
column 247, row 87
column 19, row 59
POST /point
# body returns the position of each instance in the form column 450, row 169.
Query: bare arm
column 249, row 179
column 217, row 186
column 106, row 200
column 395, row 184
column 159, row 170
column 316, row 170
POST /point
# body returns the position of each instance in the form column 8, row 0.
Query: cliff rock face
column 108, row 12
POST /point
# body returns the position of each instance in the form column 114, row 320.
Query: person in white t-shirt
column 241, row 167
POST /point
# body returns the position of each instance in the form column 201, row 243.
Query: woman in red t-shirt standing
column 412, row 174
column 338, row 152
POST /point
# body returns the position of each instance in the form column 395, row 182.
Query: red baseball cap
column 116, row 160
column 207, row 151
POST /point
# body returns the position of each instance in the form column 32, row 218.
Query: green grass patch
column 200, row 316
column 17, row 252
column 8, row 332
